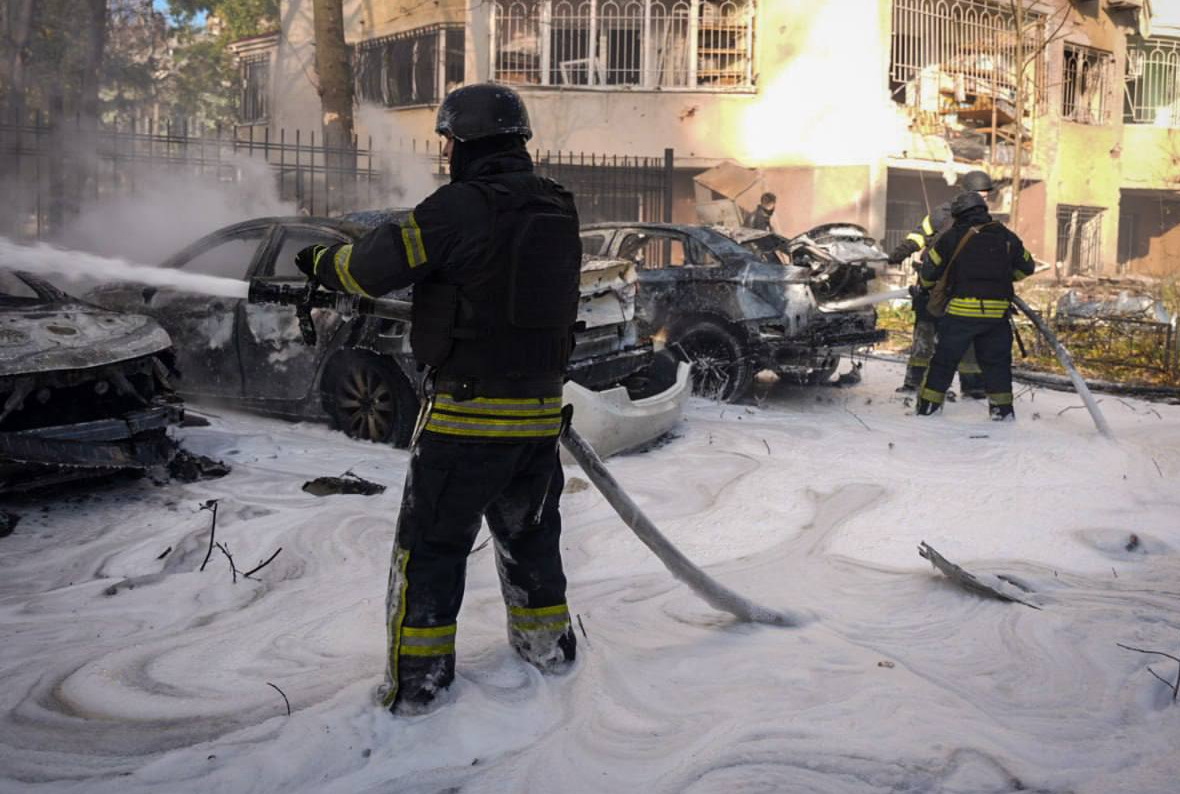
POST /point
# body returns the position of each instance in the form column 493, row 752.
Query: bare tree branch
column 210, row 505
column 262, row 565
column 1175, row 686
column 281, row 692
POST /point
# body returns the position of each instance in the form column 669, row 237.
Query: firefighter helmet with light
column 976, row 180
column 481, row 111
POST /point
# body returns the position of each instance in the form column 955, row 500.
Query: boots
column 927, row 407
column 1001, row 413
column 971, row 384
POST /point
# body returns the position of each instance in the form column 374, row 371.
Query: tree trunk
column 335, row 76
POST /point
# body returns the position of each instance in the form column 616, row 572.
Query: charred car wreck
column 360, row 372
column 734, row 309
column 83, row 391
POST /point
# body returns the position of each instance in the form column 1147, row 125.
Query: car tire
column 721, row 370
column 368, row 397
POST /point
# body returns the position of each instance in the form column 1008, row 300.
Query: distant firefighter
column 760, row 218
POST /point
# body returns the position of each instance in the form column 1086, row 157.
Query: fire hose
column 717, row 595
column 1062, row 354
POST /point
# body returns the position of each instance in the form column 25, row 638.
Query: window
column 293, row 243
column 1085, row 84
column 417, row 67
column 1079, row 239
column 639, row 43
column 652, row 250
column 255, row 70
column 592, row 244
column 230, row 259
column 1152, row 93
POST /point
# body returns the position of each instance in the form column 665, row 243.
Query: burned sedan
column 83, row 391
column 732, row 311
column 360, row 373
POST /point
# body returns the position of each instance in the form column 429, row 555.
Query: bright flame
column 823, row 107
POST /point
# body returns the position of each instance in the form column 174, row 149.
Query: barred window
column 1079, row 239
column 255, row 76
column 959, row 56
column 1085, row 84
column 416, row 67
column 1152, row 93
column 638, row 43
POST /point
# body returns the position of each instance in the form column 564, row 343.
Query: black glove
column 902, row 252
column 918, row 292
column 305, row 260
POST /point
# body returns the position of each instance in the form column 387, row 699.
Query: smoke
column 172, row 207
column 411, row 172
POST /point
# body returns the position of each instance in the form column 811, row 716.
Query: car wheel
column 369, row 398
column 720, row 369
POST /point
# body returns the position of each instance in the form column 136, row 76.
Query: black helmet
column 481, row 111
column 976, row 180
column 967, row 201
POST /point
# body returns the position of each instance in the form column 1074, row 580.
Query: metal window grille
column 947, row 53
column 255, row 70
column 641, row 43
column 1079, row 239
column 1152, row 82
column 1086, row 84
column 409, row 68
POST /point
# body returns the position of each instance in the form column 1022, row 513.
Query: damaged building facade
column 862, row 117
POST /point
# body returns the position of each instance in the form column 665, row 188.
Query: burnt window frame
column 1074, row 60
column 435, row 55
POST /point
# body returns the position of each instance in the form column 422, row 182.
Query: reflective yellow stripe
column 926, row 283
column 927, row 226
column 428, row 641
column 320, row 251
column 343, row 260
column 557, row 609
column 919, row 362
column 1019, row 275
column 496, row 417
column 988, row 309
column 970, row 369
column 916, row 238
column 1027, row 256
column 1000, row 398
column 935, row 257
column 412, row 240
column 932, row 395
column 478, row 407
column 394, row 626
column 483, row 431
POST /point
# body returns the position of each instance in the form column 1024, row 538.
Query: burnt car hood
column 44, row 336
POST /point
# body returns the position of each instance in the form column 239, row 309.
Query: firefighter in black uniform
column 979, row 259
column 495, row 260
column 922, row 347
column 760, row 218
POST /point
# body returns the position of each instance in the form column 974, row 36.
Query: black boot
column 971, row 384
column 422, row 679
column 1001, row 413
column 927, row 407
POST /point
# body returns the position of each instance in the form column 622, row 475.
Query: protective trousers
column 922, row 351
column 450, row 487
column 993, row 348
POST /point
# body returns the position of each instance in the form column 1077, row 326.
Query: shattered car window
column 652, row 250
column 15, row 292
column 230, row 259
column 592, row 244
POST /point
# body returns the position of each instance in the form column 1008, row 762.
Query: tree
column 335, row 87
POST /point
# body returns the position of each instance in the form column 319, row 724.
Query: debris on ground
column 347, row 483
column 968, row 581
column 8, row 522
column 187, row 467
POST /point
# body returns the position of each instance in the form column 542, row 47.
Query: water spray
column 45, row 260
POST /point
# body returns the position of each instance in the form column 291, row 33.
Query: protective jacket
column 495, row 260
column 924, row 233
column 981, row 270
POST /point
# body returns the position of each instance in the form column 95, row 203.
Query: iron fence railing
column 49, row 173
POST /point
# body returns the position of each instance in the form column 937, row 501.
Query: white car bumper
column 612, row 422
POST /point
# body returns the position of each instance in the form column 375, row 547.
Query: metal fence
column 49, row 172
column 1126, row 346
column 1152, row 85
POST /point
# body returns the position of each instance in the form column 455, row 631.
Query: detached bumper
column 612, row 422
column 135, row 440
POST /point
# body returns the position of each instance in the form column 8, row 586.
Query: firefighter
column 495, row 260
column 977, row 260
column 922, row 346
column 760, row 218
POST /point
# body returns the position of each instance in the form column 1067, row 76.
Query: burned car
column 732, row 311
column 842, row 257
column 83, row 391
column 360, row 374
